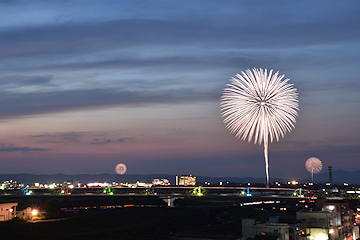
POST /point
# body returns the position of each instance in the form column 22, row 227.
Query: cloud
column 106, row 141
column 5, row 148
column 19, row 80
column 101, row 141
column 163, row 58
column 276, row 29
column 33, row 103
column 74, row 137
column 65, row 137
column 124, row 139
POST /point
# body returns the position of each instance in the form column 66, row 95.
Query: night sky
column 89, row 84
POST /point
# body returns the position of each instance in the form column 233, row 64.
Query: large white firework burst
column 313, row 165
column 260, row 106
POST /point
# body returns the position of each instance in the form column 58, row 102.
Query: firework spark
column 313, row 165
column 260, row 106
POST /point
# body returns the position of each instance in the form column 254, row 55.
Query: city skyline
column 85, row 86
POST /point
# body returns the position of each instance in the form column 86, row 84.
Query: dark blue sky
column 87, row 84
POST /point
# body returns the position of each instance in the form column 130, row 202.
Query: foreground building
column 273, row 229
column 333, row 220
column 323, row 219
column 321, row 225
column 251, row 229
column 7, row 211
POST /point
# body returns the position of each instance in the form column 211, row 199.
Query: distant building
column 142, row 184
column 99, row 184
column 8, row 185
column 7, row 211
column 185, row 180
column 162, row 181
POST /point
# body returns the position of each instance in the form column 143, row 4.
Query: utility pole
column 330, row 175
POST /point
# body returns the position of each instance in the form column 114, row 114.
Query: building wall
column 26, row 214
column 322, row 225
column 356, row 232
column 315, row 219
column 7, row 211
column 250, row 229
column 282, row 230
column 318, row 233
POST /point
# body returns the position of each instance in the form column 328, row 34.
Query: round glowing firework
column 120, row 168
column 260, row 106
column 313, row 165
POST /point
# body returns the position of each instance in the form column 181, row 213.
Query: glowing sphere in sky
column 120, row 169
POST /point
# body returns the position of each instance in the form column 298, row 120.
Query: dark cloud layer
column 31, row 103
column 11, row 148
column 64, row 137
column 125, row 33
column 124, row 139
column 251, row 36
column 101, row 141
column 25, row 80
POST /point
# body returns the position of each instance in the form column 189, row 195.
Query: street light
column 34, row 212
